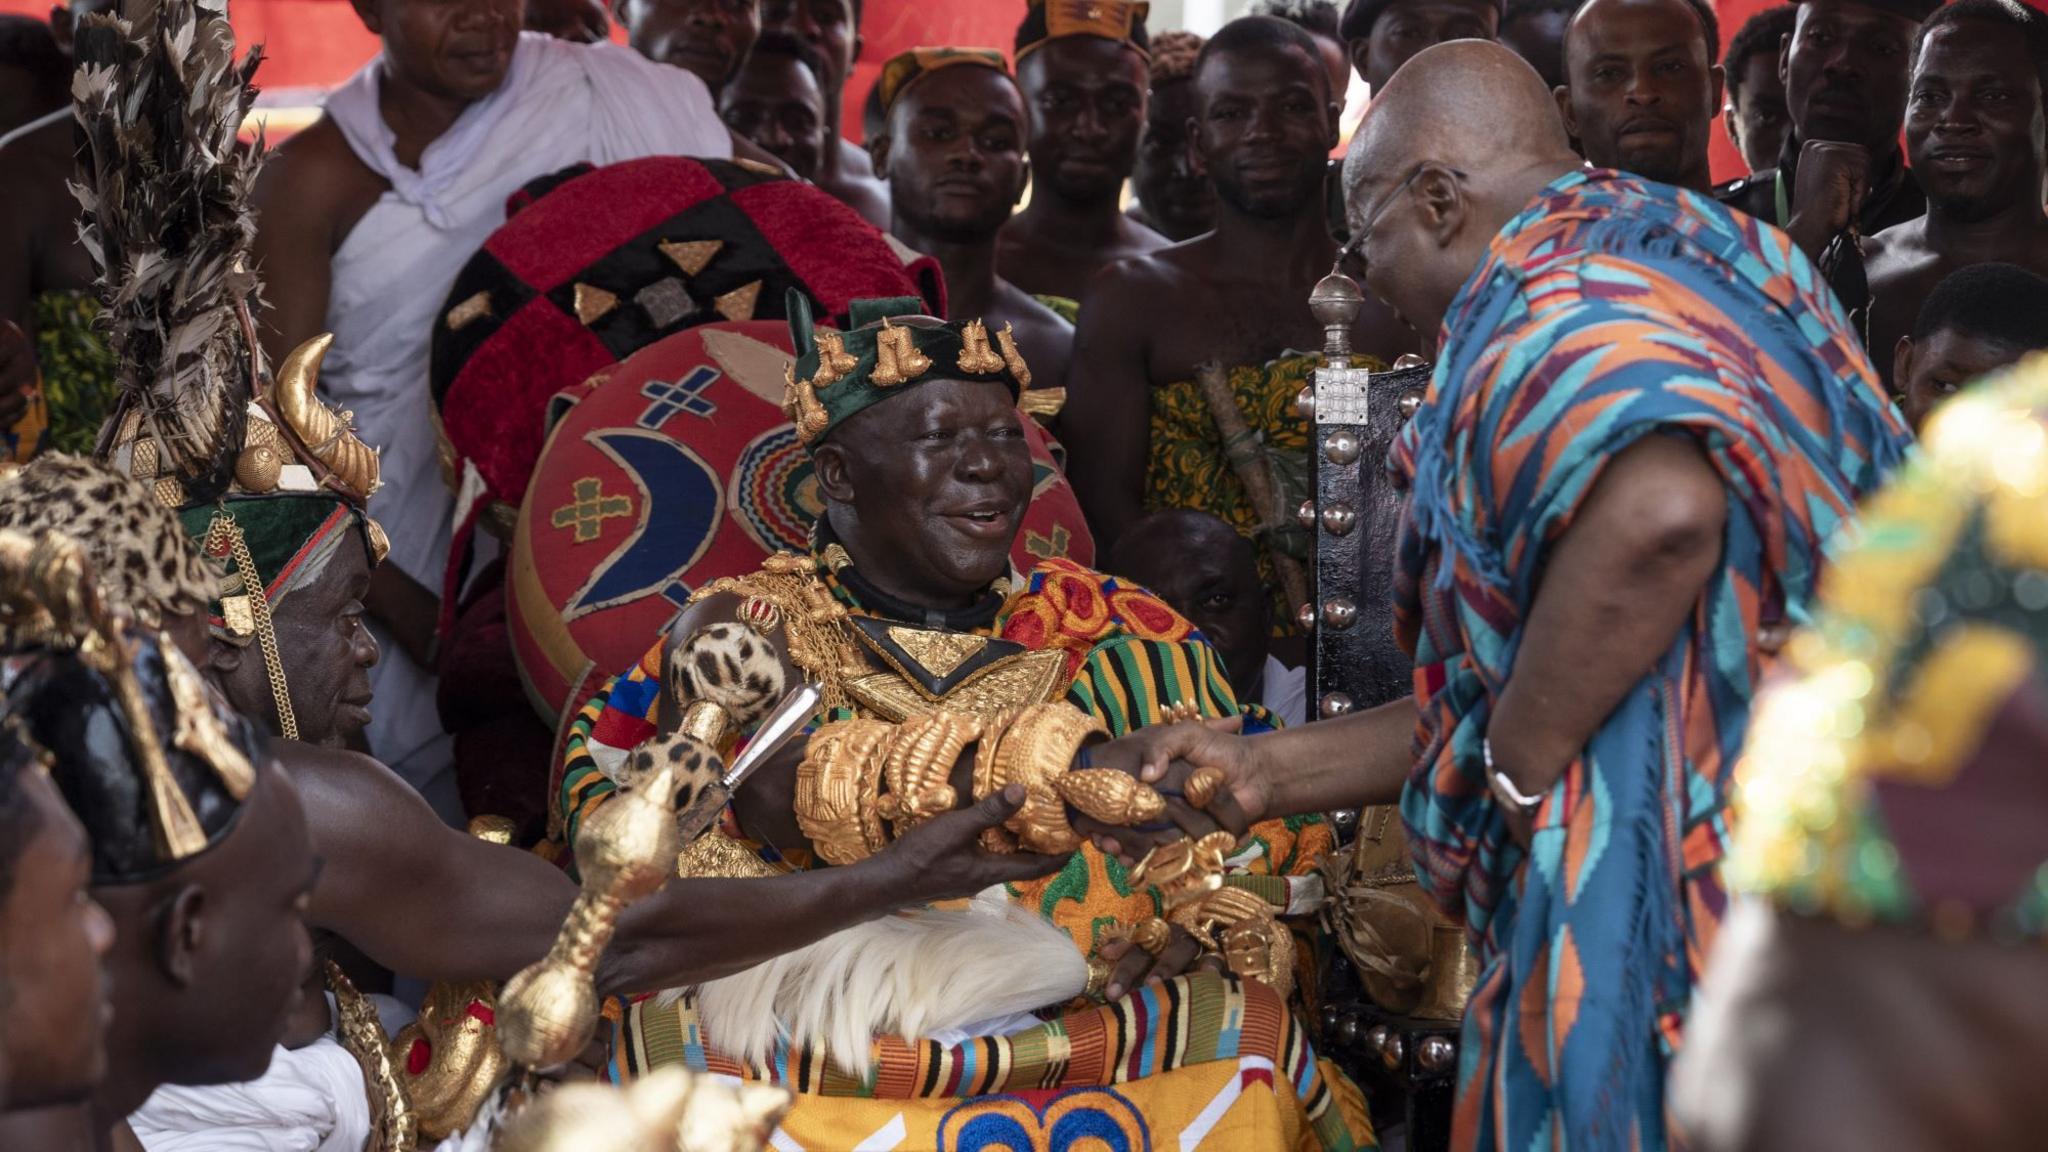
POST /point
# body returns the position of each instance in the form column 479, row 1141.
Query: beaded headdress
column 889, row 346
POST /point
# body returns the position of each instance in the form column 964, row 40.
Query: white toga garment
column 311, row 1100
column 560, row 104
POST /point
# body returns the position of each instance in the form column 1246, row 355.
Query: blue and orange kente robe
column 1610, row 309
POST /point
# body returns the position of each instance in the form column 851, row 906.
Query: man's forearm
column 1349, row 762
column 698, row 930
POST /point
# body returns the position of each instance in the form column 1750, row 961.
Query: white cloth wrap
column 311, row 1100
column 560, row 104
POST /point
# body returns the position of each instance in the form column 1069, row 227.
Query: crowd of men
column 1658, row 401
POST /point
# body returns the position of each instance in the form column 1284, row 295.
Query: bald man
column 1647, row 414
column 1642, row 84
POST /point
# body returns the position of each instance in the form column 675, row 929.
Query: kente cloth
column 560, row 104
column 1186, row 467
column 1895, row 776
column 1196, row 1062
column 312, row 1099
column 1609, row 309
column 1128, row 657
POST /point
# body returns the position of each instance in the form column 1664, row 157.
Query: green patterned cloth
column 79, row 377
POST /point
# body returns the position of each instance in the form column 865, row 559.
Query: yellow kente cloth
column 1200, row 1062
column 1186, row 467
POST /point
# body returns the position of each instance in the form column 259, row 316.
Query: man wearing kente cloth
column 945, row 677
column 1141, row 435
column 1875, row 986
column 1648, row 417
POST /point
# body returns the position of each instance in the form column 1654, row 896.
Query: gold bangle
column 1037, row 748
column 1099, row 972
column 1110, row 796
column 836, row 789
column 1152, row 934
column 997, row 840
column 920, row 765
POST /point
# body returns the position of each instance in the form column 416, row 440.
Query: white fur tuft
column 908, row 975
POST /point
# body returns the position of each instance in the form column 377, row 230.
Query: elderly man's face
column 775, row 101
column 708, row 37
column 457, row 50
column 1087, row 100
column 327, row 653
column 1640, row 94
column 1845, row 73
column 1265, row 129
column 1409, row 26
column 1974, row 123
column 928, row 488
column 955, row 156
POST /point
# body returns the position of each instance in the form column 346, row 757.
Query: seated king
column 1145, row 1006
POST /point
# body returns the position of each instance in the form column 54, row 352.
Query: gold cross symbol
column 591, row 508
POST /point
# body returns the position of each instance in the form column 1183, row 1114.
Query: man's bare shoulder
column 318, row 162
column 1897, row 251
column 1168, row 267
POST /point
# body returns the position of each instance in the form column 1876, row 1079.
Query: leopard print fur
column 730, row 665
column 145, row 561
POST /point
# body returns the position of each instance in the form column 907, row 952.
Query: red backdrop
column 318, row 43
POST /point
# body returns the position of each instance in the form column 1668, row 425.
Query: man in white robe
column 365, row 219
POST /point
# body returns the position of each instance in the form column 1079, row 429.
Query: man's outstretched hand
column 1164, row 756
column 942, row 859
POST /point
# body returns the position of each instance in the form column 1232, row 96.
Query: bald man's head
column 1458, row 142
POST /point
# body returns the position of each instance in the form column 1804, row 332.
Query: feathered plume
column 167, row 223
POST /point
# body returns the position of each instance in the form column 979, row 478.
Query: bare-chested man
column 952, row 147
column 1383, row 34
column 1084, row 76
column 1174, row 197
column 831, row 28
column 1975, row 131
column 775, row 100
column 364, row 220
column 1139, row 434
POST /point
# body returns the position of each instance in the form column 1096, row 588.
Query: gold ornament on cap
column 834, row 361
column 1007, row 341
column 351, row 464
column 800, row 405
column 976, row 357
column 897, row 359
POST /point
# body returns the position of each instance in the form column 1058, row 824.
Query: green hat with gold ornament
column 891, row 346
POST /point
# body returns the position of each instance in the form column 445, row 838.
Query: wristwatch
column 1504, row 791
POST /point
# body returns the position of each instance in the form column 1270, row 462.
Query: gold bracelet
column 836, row 787
column 920, row 766
column 1110, row 796
column 1240, row 925
column 1152, row 934
column 999, row 841
column 1037, row 748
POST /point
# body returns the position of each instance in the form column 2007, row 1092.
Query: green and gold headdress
column 261, row 471
column 890, row 346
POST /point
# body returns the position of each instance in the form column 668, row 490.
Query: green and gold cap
column 891, row 346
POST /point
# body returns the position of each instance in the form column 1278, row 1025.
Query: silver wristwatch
column 1504, row 791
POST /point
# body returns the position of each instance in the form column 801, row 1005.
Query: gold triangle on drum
column 592, row 303
column 738, row 304
column 690, row 255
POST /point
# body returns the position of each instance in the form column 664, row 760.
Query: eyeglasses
column 1359, row 237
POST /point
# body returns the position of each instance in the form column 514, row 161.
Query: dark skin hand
column 1238, row 292
column 953, row 151
column 1977, row 135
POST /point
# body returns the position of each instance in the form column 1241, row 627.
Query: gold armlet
column 394, row 1127
column 1035, row 750
column 836, row 789
column 454, row 1047
column 919, row 767
column 1241, row 926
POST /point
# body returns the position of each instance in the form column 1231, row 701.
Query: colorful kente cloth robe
column 1610, row 309
column 1186, row 467
column 1128, row 657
